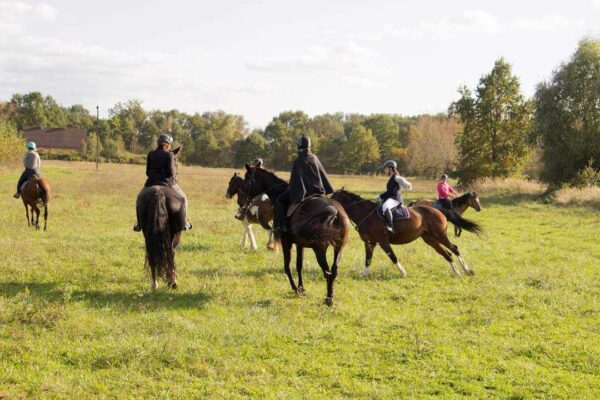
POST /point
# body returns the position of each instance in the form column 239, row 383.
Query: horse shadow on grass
column 124, row 300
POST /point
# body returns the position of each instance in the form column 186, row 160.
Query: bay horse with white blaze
column 424, row 222
column 34, row 192
column 258, row 210
column 460, row 204
column 316, row 223
column 160, row 214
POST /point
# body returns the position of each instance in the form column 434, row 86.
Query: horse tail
column 44, row 189
column 461, row 222
column 157, row 232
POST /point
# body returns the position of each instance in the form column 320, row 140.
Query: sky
column 259, row 58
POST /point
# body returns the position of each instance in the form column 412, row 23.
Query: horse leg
column 271, row 244
column 321, row 254
column 299, row 259
column 37, row 218
column 176, row 240
column 27, row 213
column 252, row 238
column 454, row 249
column 154, row 281
column 286, row 246
column 390, row 253
column 245, row 234
column 369, row 246
column 457, row 231
column 45, row 216
column 433, row 242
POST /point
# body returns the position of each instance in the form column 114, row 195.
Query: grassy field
column 77, row 319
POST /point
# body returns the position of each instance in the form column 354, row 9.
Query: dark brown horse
column 459, row 205
column 252, row 211
column 425, row 222
column 36, row 191
column 316, row 223
column 160, row 215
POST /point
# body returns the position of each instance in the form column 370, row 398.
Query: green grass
column 77, row 319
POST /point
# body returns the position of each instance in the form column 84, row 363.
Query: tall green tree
column 250, row 148
column 360, row 150
column 281, row 134
column 567, row 117
column 496, row 123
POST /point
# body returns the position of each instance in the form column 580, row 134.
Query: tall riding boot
column 389, row 217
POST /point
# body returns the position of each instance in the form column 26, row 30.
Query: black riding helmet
column 164, row 138
column 303, row 142
column 390, row 164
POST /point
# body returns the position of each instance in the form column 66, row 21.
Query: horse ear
column 474, row 194
column 175, row 151
column 248, row 168
column 235, row 174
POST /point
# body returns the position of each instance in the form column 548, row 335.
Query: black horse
column 160, row 215
column 316, row 223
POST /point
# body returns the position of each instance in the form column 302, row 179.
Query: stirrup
column 136, row 227
column 17, row 195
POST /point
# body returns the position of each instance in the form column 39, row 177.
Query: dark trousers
column 25, row 176
column 446, row 203
column 283, row 204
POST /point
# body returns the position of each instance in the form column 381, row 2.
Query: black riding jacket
column 308, row 178
column 161, row 168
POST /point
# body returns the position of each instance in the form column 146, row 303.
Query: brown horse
column 424, row 222
column 160, row 215
column 459, row 205
column 252, row 211
column 36, row 191
column 316, row 223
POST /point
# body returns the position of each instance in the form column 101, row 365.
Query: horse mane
column 356, row 198
column 461, row 200
column 270, row 173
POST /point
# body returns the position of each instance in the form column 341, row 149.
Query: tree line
column 489, row 132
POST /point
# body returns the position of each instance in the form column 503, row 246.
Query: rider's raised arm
column 403, row 182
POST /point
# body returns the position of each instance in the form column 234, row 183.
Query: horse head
column 235, row 184
column 474, row 201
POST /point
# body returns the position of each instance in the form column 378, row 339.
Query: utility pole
column 97, row 134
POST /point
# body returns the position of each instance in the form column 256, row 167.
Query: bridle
column 365, row 218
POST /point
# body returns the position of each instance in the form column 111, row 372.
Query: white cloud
column 547, row 23
column 15, row 14
column 471, row 21
column 90, row 74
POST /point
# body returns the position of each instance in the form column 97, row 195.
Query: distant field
column 77, row 319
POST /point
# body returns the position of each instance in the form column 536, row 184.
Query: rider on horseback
column 161, row 169
column 392, row 197
column 444, row 190
column 308, row 178
column 31, row 162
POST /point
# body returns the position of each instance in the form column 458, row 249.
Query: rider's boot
column 389, row 218
column 17, row 195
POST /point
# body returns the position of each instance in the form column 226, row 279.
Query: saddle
column 294, row 207
column 399, row 213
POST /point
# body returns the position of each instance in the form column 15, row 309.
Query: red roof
column 56, row 138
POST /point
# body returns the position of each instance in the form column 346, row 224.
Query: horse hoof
column 173, row 285
column 329, row 301
column 301, row 292
column 470, row 273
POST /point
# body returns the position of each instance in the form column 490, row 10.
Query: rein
column 365, row 218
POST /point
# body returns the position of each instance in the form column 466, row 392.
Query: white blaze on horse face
column 401, row 269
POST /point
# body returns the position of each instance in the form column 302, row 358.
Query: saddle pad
column 398, row 213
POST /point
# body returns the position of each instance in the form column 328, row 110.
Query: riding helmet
column 31, row 145
column 164, row 138
column 390, row 164
column 258, row 163
column 444, row 176
column 303, row 142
